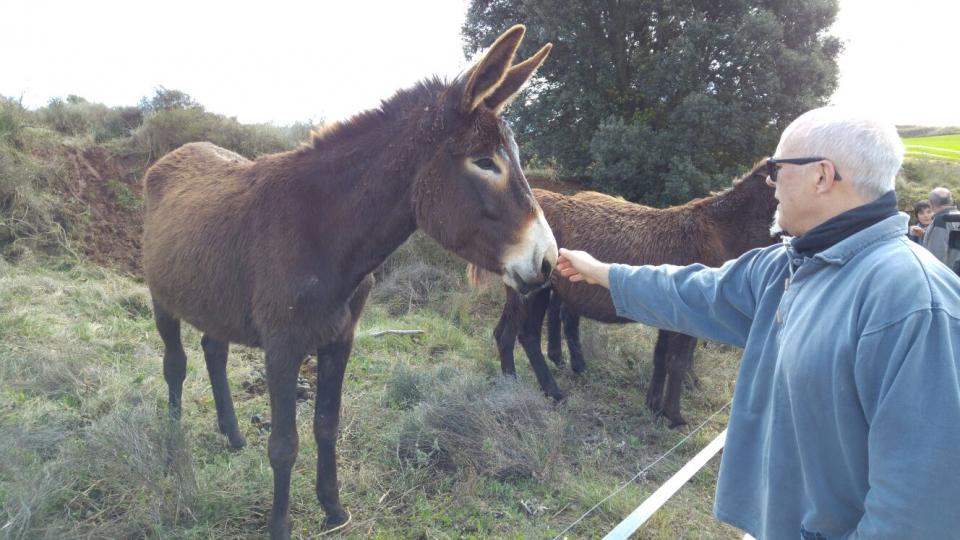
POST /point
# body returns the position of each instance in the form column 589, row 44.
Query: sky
column 287, row 61
column 900, row 59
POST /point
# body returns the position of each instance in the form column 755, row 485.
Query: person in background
column 924, row 214
column 937, row 237
column 846, row 412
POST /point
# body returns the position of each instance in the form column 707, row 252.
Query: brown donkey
column 277, row 253
column 709, row 231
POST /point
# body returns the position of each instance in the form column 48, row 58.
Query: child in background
column 924, row 214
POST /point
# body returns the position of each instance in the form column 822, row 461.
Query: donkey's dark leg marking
column 174, row 358
column 554, row 333
column 531, row 331
column 215, row 354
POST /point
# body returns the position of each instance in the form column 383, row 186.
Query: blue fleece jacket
column 846, row 413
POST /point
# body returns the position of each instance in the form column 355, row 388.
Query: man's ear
column 827, row 174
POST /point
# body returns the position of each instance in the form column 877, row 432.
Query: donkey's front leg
column 531, row 331
column 679, row 363
column 331, row 364
column 215, row 354
column 174, row 358
column 659, row 377
column 283, row 365
column 554, row 334
column 507, row 329
column 571, row 328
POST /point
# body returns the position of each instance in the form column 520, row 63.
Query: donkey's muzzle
column 527, row 286
column 528, row 264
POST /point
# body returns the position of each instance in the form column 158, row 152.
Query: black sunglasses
column 772, row 165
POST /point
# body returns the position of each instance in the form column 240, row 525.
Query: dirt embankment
column 108, row 190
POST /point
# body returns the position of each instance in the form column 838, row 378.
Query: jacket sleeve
column 907, row 379
column 711, row 303
column 935, row 240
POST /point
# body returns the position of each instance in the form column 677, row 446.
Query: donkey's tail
column 477, row 276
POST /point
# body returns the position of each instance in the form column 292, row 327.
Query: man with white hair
column 846, row 413
column 943, row 236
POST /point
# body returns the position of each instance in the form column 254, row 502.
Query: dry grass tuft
column 501, row 429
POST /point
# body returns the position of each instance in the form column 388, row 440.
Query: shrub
column 918, row 176
column 166, row 130
column 500, row 430
column 925, row 131
column 408, row 386
column 419, row 273
column 663, row 168
column 78, row 117
column 32, row 217
column 13, row 120
column 131, row 459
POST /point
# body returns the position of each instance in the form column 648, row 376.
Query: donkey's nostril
column 546, row 268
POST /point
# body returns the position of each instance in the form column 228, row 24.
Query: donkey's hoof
column 280, row 529
column 336, row 521
column 577, row 362
column 557, row 395
column 556, row 357
column 237, row 441
column 655, row 404
column 675, row 418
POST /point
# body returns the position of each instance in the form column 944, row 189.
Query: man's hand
column 581, row 266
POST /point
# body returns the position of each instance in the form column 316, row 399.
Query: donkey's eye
column 487, row 164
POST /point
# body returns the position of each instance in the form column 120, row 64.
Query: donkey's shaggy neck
column 742, row 201
column 409, row 111
column 368, row 165
column 742, row 213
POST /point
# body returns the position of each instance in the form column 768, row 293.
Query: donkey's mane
column 421, row 97
column 741, row 189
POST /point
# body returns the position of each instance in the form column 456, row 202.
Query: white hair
column 865, row 151
column 940, row 197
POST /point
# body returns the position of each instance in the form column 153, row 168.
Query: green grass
column 85, row 449
column 943, row 147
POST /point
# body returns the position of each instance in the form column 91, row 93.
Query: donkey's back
column 194, row 169
column 198, row 236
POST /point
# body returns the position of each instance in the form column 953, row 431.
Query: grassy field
column 85, row 450
column 943, row 147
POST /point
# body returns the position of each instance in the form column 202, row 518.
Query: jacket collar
column 844, row 250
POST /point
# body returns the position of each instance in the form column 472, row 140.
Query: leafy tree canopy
column 663, row 100
column 165, row 99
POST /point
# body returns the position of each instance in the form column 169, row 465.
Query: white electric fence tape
column 721, row 438
column 653, row 503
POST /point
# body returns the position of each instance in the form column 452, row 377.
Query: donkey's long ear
column 484, row 78
column 515, row 79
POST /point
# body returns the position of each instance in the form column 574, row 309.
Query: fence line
column 644, row 470
column 647, row 508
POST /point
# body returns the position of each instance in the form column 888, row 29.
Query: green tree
column 165, row 99
column 663, row 100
